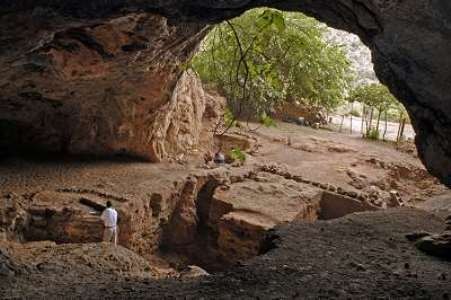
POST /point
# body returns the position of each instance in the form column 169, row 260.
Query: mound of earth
column 83, row 259
column 48, row 265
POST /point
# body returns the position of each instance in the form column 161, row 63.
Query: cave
column 101, row 79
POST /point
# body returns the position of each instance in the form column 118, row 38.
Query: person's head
column 108, row 204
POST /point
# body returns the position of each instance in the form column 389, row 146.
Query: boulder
column 193, row 272
column 436, row 245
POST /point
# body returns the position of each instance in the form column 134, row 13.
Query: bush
column 237, row 154
column 373, row 134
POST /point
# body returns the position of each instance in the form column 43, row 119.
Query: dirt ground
column 318, row 155
column 361, row 256
column 364, row 255
column 348, row 161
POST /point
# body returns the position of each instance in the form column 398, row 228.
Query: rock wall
column 102, row 87
column 334, row 206
column 89, row 76
column 180, row 125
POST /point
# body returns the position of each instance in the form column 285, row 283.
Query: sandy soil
column 334, row 158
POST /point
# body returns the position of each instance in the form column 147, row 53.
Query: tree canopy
column 266, row 57
column 374, row 95
column 378, row 97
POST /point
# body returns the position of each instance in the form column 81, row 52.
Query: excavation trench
column 221, row 233
column 213, row 221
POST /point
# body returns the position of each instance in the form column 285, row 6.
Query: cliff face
column 358, row 54
column 89, row 76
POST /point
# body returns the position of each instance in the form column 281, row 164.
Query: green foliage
column 373, row 134
column 237, row 154
column 378, row 100
column 271, row 18
column 229, row 119
column 374, row 95
column 267, row 121
column 397, row 112
column 266, row 57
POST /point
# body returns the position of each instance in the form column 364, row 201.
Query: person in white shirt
column 219, row 158
column 109, row 218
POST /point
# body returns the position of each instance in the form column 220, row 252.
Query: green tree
column 266, row 57
column 374, row 97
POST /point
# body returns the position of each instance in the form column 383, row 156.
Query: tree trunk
column 402, row 129
column 386, row 126
column 399, row 128
column 352, row 111
column 363, row 121
column 379, row 118
column 342, row 121
column 368, row 130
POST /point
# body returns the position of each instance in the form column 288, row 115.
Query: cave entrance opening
column 273, row 65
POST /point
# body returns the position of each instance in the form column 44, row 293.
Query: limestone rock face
column 178, row 125
column 102, row 87
column 59, row 217
column 89, row 76
column 72, row 215
column 182, row 227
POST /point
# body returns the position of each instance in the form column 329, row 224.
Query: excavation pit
column 236, row 222
column 209, row 222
